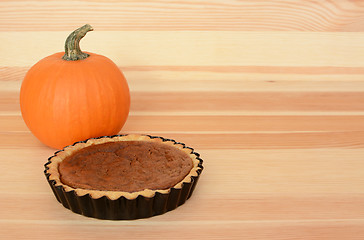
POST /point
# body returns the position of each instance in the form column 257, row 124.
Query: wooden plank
column 183, row 15
column 196, row 48
column 240, row 140
column 228, row 124
column 220, row 124
column 335, row 229
column 245, row 207
column 248, row 101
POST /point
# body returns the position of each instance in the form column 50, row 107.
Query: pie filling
column 127, row 166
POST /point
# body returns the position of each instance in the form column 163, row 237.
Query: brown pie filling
column 127, row 166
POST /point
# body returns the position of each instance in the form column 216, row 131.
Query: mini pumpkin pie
column 123, row 176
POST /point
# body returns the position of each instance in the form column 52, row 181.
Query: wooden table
column 270, row 93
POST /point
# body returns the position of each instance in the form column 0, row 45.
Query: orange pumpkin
column 74, row 97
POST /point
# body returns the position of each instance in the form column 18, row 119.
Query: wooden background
column 270, row 93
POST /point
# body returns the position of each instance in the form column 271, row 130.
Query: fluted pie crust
column 53, row 174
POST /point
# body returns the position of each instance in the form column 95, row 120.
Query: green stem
column 72, row 46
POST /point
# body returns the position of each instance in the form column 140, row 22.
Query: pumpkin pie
column 123, row 176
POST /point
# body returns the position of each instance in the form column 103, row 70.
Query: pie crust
column 114, row 204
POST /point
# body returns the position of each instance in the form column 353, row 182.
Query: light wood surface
column 270, row 93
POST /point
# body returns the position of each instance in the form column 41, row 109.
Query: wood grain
column 270, row 93
column 261, row 207
column 208, row 48
column 164, row 15
column 230, row 140
column 234, row 123
column 339, row 229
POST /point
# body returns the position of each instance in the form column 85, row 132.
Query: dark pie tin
column 123, row 208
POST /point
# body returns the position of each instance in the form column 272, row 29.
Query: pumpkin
column 73, row 96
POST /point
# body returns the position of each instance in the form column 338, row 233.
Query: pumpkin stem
column 72, row 46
